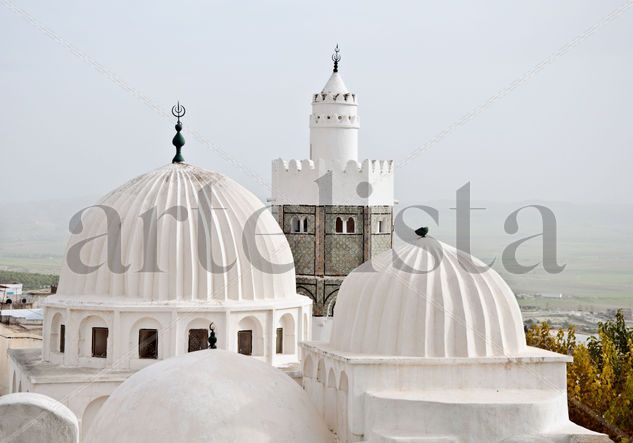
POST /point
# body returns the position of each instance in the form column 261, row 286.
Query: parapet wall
column 308, row 182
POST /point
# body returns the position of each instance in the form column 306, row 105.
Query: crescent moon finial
column 178, row 111
column 336, row 57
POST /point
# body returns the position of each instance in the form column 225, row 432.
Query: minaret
column 334, row 120
column 335, row 211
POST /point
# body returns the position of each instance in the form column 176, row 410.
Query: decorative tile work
column 324, row 257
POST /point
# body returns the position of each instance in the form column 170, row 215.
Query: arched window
column 339, row 224
column 350, row 225
column 295, row 224
column 305, row 224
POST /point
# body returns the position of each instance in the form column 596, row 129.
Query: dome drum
column 274, row 332
column 232, row 264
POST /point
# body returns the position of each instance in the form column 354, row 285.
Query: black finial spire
column 212, row 339
column 336, row 57
column 178, row 141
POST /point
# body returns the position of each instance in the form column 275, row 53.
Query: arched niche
column 330, row 405
column 91, row 333
column 289, row 340
column 308, row 367
column 249, row 336
column 90, row 413
column 321, row 372
column 142, row 341
column 341, row 406
column 56, row 341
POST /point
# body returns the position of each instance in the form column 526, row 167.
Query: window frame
column 95, row 330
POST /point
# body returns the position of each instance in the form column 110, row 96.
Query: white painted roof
column 244, row 260
column 209, row 396
column 397, row 305
column 335, row 85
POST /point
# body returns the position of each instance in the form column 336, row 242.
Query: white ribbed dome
column 246, row 260
column 389, row 306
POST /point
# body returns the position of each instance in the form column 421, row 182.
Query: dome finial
column 336, row 57
column 422, row 231
column 212, row 338
column 178, row 140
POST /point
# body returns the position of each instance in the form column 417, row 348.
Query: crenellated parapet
column 322, row 182
column 344, row 98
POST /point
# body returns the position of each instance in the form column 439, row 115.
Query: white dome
column 389, row 306
column 208, row 396
column 247, row 260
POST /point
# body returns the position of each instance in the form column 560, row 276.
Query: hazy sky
column 246, row 72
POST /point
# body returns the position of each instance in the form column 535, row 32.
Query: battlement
column 326, row 97
column 308, row 182
column 352, row 166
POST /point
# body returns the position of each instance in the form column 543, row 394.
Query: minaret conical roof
column 335, row 85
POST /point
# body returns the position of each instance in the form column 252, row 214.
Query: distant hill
column 594, row 241
column 29, row 280
column 33, row 235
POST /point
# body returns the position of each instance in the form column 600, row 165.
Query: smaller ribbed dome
column 391, row 306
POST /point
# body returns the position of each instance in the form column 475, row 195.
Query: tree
column 600, row 378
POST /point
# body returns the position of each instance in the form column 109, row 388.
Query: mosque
column 185, row 313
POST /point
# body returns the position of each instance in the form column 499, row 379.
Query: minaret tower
column 335, row 211
column 334, row 120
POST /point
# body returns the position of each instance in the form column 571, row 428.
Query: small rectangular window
column 380, row 226
column 147, row 343
column 100, row 342
column 245, row 342
column 279, row 342
column 62, row 338
column 197, row 340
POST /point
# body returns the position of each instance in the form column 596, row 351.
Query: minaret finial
column 336, row 57
column 178, row 141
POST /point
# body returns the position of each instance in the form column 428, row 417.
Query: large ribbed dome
column 397, row 304
column 215, row 247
